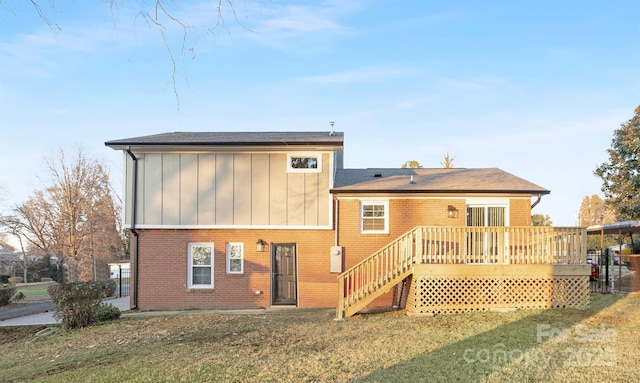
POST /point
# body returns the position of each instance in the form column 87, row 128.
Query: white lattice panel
column 447, row 294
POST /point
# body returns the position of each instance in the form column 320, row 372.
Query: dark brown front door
column 284, row 274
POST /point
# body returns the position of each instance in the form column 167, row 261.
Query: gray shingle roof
column 372, row 180
column 231, row 139
column 456, row 180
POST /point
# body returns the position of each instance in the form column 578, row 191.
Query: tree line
column 73, row 219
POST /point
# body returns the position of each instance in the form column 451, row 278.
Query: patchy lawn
column 598, row 343
column 35, row 291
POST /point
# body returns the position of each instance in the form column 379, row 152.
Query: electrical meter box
column 336, row 259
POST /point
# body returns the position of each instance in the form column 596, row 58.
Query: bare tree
column 594, row 211
column 75, row 218
column 163, row 16
column 4, row 243
column 13, row 226
column 447, row 162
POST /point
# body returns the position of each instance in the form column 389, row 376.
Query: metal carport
column 620, row 228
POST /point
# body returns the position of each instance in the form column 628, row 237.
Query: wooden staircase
column 376, row 275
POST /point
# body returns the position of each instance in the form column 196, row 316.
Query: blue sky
column 535, row 88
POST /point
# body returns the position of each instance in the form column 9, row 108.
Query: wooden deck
column 541, row 258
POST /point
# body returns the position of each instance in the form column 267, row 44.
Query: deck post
column 340, row 310
column 418, row 254
column 502, row 240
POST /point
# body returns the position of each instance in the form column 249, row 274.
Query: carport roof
column 622, row 227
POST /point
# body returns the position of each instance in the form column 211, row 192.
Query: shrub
column 4, row 278
column 109, row 287
column 106, row 312
column 6, row 292
column 76, row 304
column 17, row 297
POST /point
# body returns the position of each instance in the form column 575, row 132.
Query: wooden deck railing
column 377, row 274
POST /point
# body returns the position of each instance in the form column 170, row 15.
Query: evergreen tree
column 621, row 174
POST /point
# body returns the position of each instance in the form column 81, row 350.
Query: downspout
column 337, row 222
column 134, row 208
column 537, row 201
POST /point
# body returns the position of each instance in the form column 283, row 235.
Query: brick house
column 260, row 219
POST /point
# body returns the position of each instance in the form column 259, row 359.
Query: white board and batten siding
column 244, row 190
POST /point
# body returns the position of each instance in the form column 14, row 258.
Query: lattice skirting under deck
column 429, row 294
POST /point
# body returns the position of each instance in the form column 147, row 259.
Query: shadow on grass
column 476, row 357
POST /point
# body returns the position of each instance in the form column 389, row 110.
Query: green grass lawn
column 596, row 343
column 35, row 291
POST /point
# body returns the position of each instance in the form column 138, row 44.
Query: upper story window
column 200, row 273
column 375, row 217
column 304, row 162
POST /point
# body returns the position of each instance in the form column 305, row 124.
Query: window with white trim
column 304, row 163
column 374, row 217
column 200, row 273
column 235, row 257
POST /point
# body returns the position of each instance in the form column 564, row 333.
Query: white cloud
column 313, row 24
column 360, row 75
column 295, row 20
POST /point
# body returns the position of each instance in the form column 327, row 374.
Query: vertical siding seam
column 233, row 188
column 269, row 189
column 250, row 188
column 179, row 188
column 141, row 189
column 197, row 189
column 286, row 185
column 162, row 188
column 215, row 189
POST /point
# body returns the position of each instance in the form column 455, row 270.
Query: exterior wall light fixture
column 261, row 245
column 452, row 212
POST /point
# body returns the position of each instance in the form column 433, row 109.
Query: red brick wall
column 163, row 269
column 520, row 212
column 163, row 256
column 404, row 215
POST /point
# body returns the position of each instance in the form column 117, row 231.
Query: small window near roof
column 304, row 163
column 375, row 217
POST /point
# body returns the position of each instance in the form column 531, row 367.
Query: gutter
column 344, row 190
column 134, row 208
column 537, row 201
column 320, row 143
